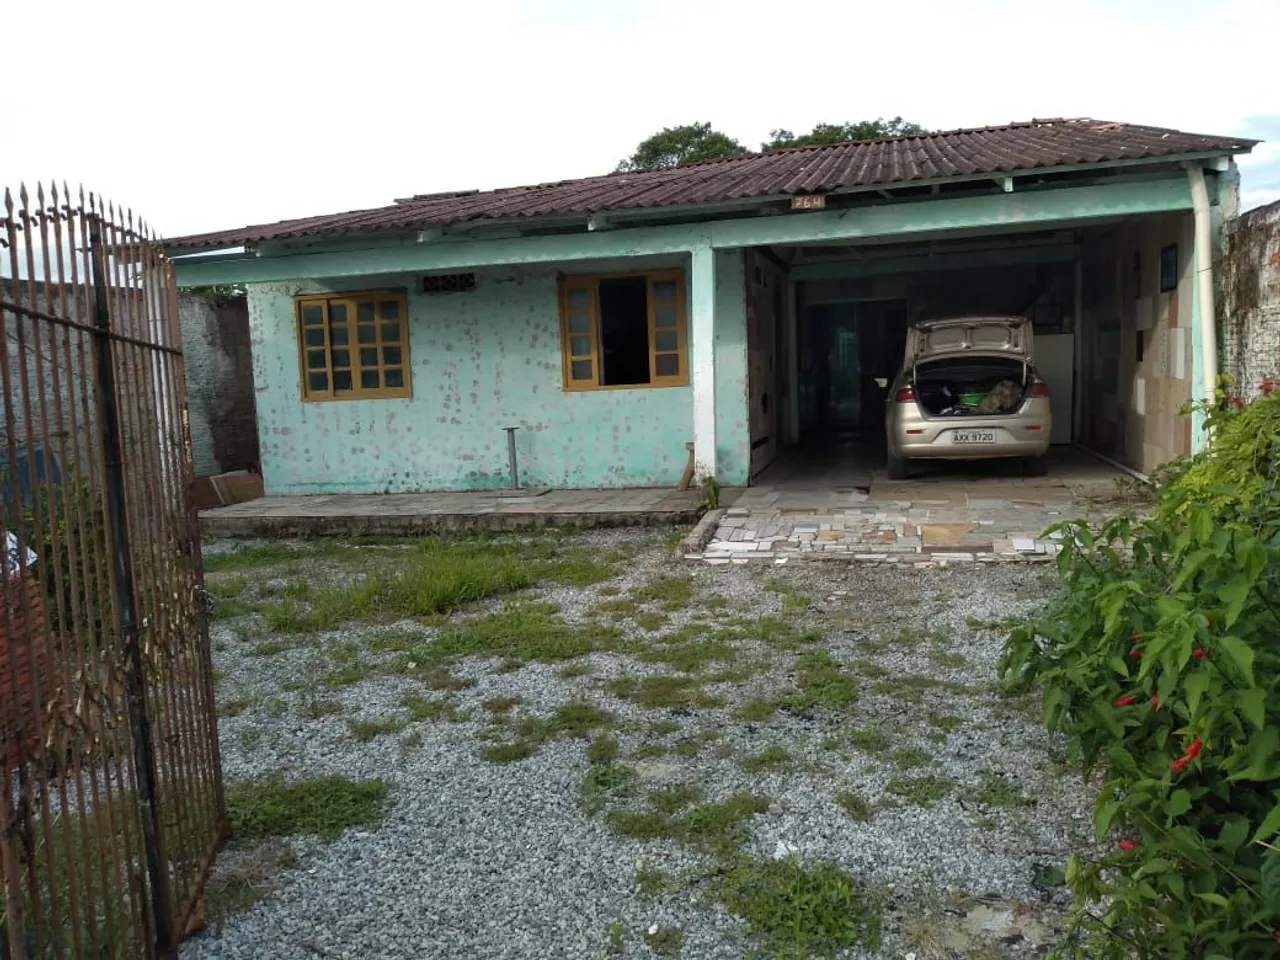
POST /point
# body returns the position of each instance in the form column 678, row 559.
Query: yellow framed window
column 624, row 330
column 354, row 346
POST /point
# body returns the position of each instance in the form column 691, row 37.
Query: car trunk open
column 971, row 386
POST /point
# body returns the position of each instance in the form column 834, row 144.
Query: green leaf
column 1179, row 803
column 1053, row 698
column 1235, row 830
column 1253, row 704
column 1270, row 877
column 1233, row 596
column 1102, row 819
column 1153, row 866
column 1119, row 666
column 1194, row 687
column 1241, row 655
column 1217, row 899
column 1270, row 824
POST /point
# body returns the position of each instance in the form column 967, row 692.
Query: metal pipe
column 1204, row 282
column 511, row 455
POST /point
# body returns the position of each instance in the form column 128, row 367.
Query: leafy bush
column 1159, row 661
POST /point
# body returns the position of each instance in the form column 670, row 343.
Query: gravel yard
column 619, row 754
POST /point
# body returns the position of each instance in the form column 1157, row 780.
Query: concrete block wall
column 219, row 373
column 1249, row 305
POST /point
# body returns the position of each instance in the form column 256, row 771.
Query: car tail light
column 1040, row 389
column 904, row 395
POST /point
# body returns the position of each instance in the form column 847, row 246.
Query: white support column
column 702, row 335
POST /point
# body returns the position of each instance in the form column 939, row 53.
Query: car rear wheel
column 1035, row 467
column 898, row 468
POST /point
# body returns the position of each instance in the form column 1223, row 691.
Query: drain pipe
column 1204, row 281
column 511, row 455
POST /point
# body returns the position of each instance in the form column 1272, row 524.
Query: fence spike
column 23, row 195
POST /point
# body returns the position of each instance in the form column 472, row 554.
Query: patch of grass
column 430, row 708
column 224, row 588
column 995, row 791
column 718, row 827
column 321, row 806
column 233, row 708
column 608, row 590
column 261, row 555
column 615, row 935
column 250, row 738
column 528, row 631
column 243, row 879
column 715, row 602
column 909, row 687
column 571, row 671
column 690, row 657
column 604, row 782
column 366, row 730
column 908, row 758
column 411, row 740
column 313, row 708
column 649, row 751
column 671, row 592
column 671, row 800
column 854, row 805
column 756, row 710
column 948, row 660
column 394, row 641
column 603, row 749
column 945, row 723
column 652, row 882
column 663, row 940
column 772, row 757
column 661, row 728
column 617, row 610
column 692, row 746
column 653, row 622
column 285, row 616
column 661, row 692
column 921, row 791
column 871, row 670
column 442, row 678
column 276, row 708
column 869, row 739
column 347, row 673
column 270, row 648
column 509, row 752
column 823, row 684
column 577, row 719
column 831, row 743
column 501, row 704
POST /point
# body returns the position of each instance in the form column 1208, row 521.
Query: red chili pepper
column 1136, row 654
column 1155, row 701
column 1124, row 700
column 1136, row 634
column 1237, row 402
column 1198, row 653
column 1179, row 764
column 1194, row 748
column 1128, row 843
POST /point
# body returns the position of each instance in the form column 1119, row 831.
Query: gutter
column 1204, row 282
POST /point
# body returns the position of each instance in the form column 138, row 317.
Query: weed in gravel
column 571, row 671
column 908, row 758
column 671, row 592
column 395, row 641
column 411, row 740
column 243, row 878
column 653, row 622
column 995, row 791
column 692, row 746
column 797, row 910
column 243, row 556
column 823, row 685
column 604, row 782
column 509, row 752
column 663, row 940
column 921, row 791
column 347, row 673
column 285, row 616
column 269, row 648
column 366, row 730
column 522, row 631
column 322, row 806
column 945, row 723
column 661, row 692
column 250, row 738
column 649, row 751
column 616, row 610
column 224, row 588
column 603, row 749
column 690, row 657
column 947, row 659
column 577, row 719
column 608, row 590
column 772, row 757
column 907, row 688
column 313, row 708
column 275, row 708
column 430, row 708
column 233, row 708
column 854, row 805
column 831, row 743
column 615, row 934
column 671, row 800
column 442, row 678
column 653, row 882
column 232, row 608
column 501, row 704
column 718, row 827
column 715, row 603
column 870, row 669
column 756, row 710
column 661, row 728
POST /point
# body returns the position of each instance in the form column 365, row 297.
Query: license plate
column 973, row 436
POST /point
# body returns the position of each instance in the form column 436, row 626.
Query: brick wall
column 215, row 342
column 1250, row 304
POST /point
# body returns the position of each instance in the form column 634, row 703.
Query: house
column 750, row 306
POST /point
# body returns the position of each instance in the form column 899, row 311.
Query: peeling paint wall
column 1250, row 304
column 215, row 342
column 483, row 360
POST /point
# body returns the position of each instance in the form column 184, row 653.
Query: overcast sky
column 204, row 116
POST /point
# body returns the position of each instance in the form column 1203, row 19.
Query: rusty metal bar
column 86, row 328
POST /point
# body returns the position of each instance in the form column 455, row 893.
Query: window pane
column 342, row 358
column 368, row 356
column 391, row 356
column 312, row 313
column 580, row 346
column 667, row 365
column 395, row 378
column 664, row 291
column 315, row 358
column 338, row 335
column 664, row 316
column 318, row 381
column 342, row 380
column 580, row 370
column 313, row 336
column 391, row 333
column 337, row 313
column 369, row 379
column 580, row 322
column 389, row 309
column 364, row 311
column 665, row 340
column 579, row 297
column 367, row 333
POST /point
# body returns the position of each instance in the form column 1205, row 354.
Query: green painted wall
column 482, row 361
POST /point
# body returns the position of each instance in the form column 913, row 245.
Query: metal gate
column 114, row 806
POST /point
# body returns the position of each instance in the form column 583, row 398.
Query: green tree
column 839, row 132
column 675, row 146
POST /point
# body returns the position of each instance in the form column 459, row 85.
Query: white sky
column 204, row 116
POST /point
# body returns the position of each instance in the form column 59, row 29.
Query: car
column 968, row 390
